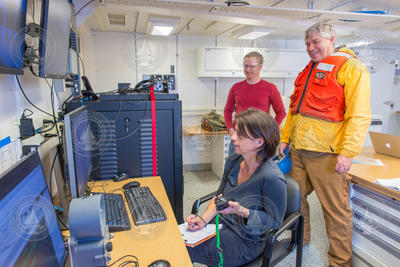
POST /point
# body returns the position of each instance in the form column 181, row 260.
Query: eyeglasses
column 250, row 66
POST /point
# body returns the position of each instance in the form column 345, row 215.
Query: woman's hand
column 194, row 222
column 236, row 208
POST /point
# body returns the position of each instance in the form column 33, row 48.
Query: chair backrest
column 293, row 196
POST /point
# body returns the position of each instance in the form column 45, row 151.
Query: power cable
column 20, row 87
column 52, row 107
column 64, row 104
column 85, row 5
column 83, row 66
column 33, row 11
column 51, row 170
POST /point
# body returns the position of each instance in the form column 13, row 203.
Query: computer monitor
column 78, row 144
column 54, row 44
column 29, row 232
column 12, row 32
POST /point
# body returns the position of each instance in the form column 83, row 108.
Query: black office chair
column 275, row 250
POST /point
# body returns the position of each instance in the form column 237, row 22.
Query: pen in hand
column 197, row 211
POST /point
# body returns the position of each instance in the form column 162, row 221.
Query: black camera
column 221, row 203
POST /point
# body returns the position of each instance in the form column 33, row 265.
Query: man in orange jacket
column 326, row 125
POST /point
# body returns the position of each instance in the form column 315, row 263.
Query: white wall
column 12, row 103
column 87, row 47
column 115, row 60
column 113, row 63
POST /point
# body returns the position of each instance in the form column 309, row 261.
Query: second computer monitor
column 79, row 149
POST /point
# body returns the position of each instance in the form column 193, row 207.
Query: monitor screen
column 29, row 231
column 79, row 149
column 54, row 44
column 12, row 33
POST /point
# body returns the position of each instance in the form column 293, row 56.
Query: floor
column 197, row 184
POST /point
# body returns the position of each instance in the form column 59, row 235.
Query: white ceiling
column 289, row 18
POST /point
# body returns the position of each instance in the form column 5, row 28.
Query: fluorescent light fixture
column 162, row 25
column 251, row 32
column 161, row 30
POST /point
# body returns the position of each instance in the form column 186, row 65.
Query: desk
column 365, row 175
column 161, row 240
column 220, row 146
column 376, row 212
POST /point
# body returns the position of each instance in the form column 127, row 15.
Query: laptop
column 386, row 144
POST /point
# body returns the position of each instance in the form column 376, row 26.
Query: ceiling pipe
column 186, row 26
column 136, row 21
column 236, row 3
column 311, row 4
column 210, row 25
column 277, row 3
column 344, row 3
column 393, row 21
column 230, row 29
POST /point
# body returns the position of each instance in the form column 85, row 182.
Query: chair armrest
column 201, row 200
column 286, row 224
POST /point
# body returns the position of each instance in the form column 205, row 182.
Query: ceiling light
column 162, row 25
column 251, row 32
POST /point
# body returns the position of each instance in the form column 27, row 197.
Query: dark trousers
column 237, row 250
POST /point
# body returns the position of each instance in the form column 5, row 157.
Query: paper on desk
column 193, row 238
column 368, row 161
column 393, row 183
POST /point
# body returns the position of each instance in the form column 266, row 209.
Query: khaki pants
column 316, row 171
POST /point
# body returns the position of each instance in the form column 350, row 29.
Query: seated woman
column 258, row 189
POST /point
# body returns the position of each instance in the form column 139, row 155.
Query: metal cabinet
column 131, row 115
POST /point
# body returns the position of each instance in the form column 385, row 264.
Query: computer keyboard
column 144, row 207
column 116, row 216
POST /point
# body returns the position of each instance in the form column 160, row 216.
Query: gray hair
column 258, row 56
column 324, row 29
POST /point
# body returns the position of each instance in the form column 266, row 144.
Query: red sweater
column 260, row 95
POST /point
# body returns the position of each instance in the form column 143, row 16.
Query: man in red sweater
column 253, row 92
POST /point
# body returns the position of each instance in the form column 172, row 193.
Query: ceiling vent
column 116, row 19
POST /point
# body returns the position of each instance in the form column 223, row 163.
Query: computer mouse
column 159, row 263
column 120, row 177
column 131, row 184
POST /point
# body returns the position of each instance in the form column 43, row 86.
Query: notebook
column 386, row 144
column 193, row 238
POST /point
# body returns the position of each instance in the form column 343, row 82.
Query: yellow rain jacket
column 345, row 137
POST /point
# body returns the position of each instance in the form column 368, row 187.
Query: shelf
column 197, row 130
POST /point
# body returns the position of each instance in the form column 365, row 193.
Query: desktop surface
column 366, row 175
column 149, row 242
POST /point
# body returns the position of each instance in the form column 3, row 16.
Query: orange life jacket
column 317, row 92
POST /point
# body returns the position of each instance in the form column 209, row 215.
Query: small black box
column 26, row 128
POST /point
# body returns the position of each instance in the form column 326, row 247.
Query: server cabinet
column 131, row 115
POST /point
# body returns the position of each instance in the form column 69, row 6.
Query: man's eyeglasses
column 250, row 66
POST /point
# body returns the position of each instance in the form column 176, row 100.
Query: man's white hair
column 324, row 29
